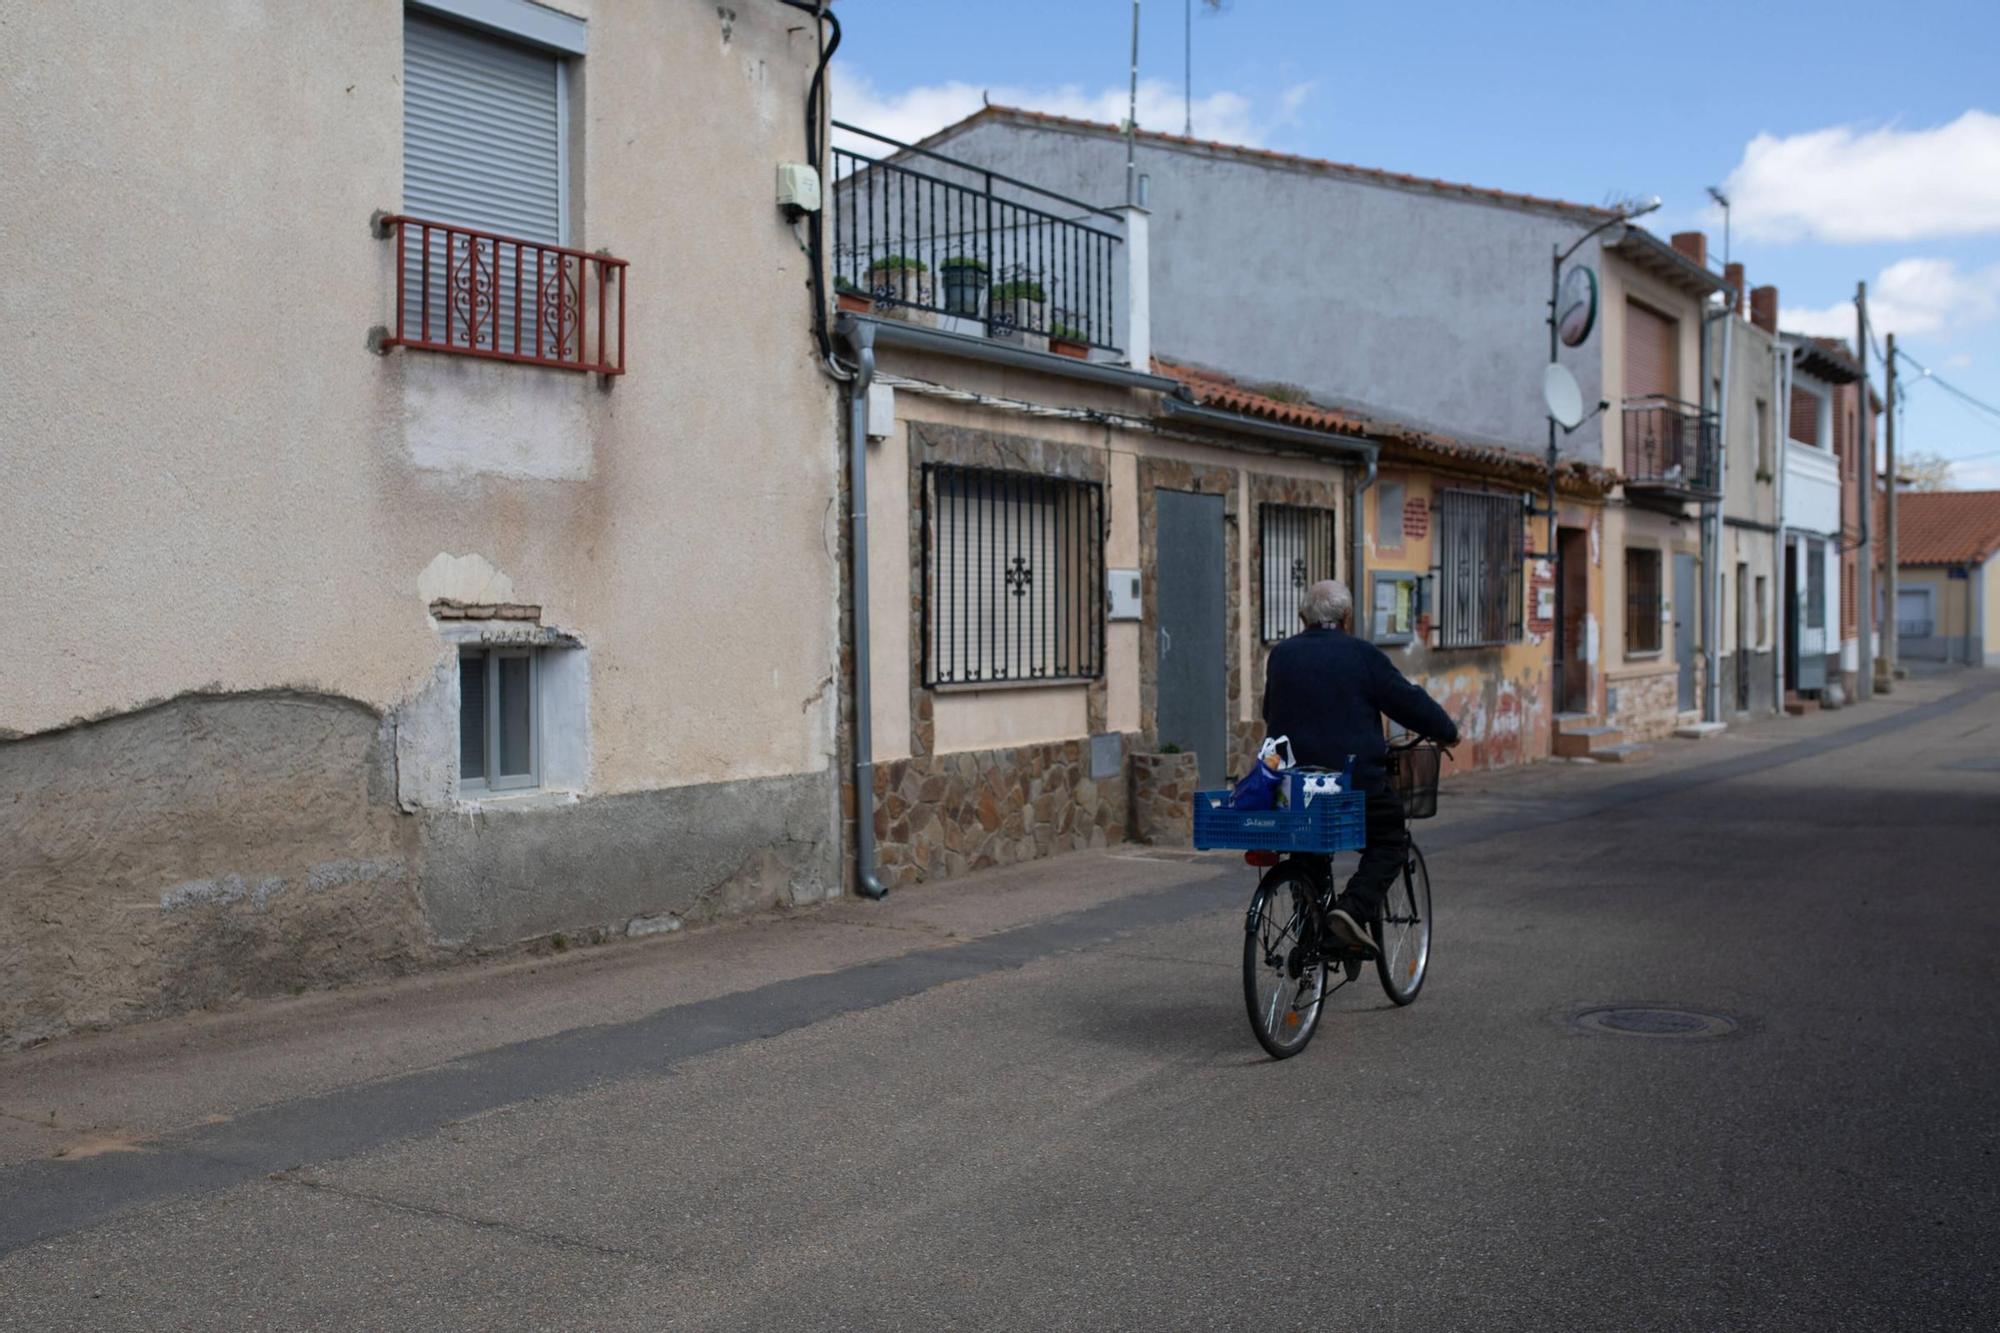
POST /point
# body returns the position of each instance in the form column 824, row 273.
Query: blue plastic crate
column 1332, row 823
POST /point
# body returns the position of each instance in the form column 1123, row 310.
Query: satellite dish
column 1563, row 397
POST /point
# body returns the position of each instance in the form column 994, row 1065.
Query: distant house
column 1948, row 582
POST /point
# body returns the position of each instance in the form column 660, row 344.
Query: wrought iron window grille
column 1013, row 577
column 1298, row 550
column 1481, row 567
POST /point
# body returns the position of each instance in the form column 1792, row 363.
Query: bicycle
column 1288, row 949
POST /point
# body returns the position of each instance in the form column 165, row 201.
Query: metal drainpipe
column 1781, row 606
column 862, row 336
column 1364, row 601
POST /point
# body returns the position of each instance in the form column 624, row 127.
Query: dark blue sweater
column 1328, row 691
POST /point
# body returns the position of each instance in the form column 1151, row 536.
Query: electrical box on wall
column 881, row 411
column 798, row 188
column 1123, row 587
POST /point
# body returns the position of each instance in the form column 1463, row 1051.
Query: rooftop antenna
column 1132, row 118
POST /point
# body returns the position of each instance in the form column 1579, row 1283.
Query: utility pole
column 1864, row 568
column 1889, row 550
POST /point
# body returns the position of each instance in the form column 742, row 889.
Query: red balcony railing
column 473, row 293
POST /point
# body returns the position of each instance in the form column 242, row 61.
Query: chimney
column 1764, row 308
column 1733, row 275
column 1693, row 245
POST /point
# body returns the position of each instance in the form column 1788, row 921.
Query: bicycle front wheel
column 1404, row 932
column 1284, row 977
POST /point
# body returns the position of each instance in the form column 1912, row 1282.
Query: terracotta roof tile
column 1945, row 527
column 1399, row 440
column 991, row 112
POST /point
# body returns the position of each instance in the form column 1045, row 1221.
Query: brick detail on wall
column 1416, row 518
column 940, row 816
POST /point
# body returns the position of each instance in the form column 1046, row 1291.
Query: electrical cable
column 816, row 220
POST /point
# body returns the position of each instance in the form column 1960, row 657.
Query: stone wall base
column 217, row 846
column 940, row 816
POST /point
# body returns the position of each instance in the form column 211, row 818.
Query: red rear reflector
column 1260, row 858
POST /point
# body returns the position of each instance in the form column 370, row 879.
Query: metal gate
column 1189, row 591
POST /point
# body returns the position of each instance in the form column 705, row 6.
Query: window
column 484, row 130
column 499, row 719
column 1298, row 550
column 1763, row 612
column 1398, row 603
column 1388, row 515
column 1913, row 613
column 1805, row 414
column 1766, row 465
column 1013, row 577
column 1480, row 563
column 1643, row 600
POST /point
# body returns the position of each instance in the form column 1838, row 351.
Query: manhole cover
column 1654, row 1021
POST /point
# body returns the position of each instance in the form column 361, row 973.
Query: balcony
column 474, row 293
column 1671, row 451
column 939, row 242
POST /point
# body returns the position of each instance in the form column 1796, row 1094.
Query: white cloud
column 913, row 113
column 1846, row 185
column 1979, row 475
column 1911, row 297
column 1958, row 361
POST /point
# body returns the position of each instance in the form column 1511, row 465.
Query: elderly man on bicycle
column 1328, row 691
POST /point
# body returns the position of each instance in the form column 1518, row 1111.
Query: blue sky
column 1857, row 141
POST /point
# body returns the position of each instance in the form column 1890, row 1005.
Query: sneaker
column 1350, row 934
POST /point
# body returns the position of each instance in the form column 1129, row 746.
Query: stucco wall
column 1451, row 292
column 1752, row 379
column 1500, row 697
column 226, row 490
column 229, row 498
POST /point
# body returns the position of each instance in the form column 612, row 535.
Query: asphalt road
column 1041, row 1107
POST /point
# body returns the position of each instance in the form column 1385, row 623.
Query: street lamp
column 1551, row 552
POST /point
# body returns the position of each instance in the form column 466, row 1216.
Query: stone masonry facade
column 940, row 816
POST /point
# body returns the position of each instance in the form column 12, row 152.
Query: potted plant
column 899, row 280
column 849, row 298
column 1016, row 306
column 964, row 277
column 1068, row 340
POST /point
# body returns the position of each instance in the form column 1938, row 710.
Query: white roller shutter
column 482, row 148
column 482, row 134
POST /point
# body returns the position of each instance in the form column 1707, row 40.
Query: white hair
column 1326, row 604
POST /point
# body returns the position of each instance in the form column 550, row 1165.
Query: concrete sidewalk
column 115, row 1091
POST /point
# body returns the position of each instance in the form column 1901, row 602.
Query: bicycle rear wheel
column 1284, row 978
column 1404, row 932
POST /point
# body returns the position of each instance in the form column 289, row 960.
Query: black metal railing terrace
column 916, row 231
column 1671, row 446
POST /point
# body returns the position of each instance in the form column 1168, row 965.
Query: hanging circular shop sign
column 1576, row 308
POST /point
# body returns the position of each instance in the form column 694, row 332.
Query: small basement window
column 499, row 719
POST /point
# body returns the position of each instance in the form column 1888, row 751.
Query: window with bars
column 1644, row 600
column 1013, row 577
column 1298, row 547
column 1480, row 566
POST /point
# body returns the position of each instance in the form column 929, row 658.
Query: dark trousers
column 1382, row 859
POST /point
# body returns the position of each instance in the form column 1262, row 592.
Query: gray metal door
column 1685, row 610
column 1189, row 590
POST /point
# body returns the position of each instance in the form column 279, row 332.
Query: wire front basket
column 1413, row 770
